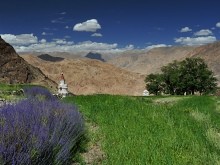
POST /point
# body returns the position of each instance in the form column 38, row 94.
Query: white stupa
column 146, row 92
column 62, row 87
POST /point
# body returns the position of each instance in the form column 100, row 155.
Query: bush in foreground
column 37, row 92
column 36, row 131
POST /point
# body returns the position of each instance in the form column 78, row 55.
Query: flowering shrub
column 39, row 93
column 36, row 132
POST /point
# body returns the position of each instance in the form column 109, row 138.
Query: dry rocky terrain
column 86, row 76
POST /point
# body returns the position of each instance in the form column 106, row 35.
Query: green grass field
column 151, row 130
column 154, row 130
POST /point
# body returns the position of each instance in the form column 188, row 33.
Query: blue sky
column 107, row 25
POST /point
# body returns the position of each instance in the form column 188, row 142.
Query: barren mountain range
column 150, row 61
column 86, row 76
column 121, row 73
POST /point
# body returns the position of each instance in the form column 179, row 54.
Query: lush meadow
column 123, row 129
column 154, row 130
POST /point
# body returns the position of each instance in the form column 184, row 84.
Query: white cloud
column 30, row 43
column 60, row 41
column 195, row 40
column 218, row 24
column 43, row 41
column 203, row 32
column 96, row 35
column 64, row 46
column 46, row 34
column 129, row 47
column 91, row 25
column 22, row 39
column 185, row 29
column 156, row 46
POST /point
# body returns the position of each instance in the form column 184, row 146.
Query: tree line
column 182, row 77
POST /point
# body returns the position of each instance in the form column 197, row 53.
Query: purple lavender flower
column 40, row 93
column 39, row 132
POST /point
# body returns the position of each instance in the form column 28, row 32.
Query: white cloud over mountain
column 156, row 46
column 185, row 29
column 203, row 32
column 91, row 25
column 30, row 43
column 195, row 40
column 22, row 39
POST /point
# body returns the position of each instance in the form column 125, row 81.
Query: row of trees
column 184, row 77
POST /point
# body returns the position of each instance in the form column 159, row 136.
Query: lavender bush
column 36, row 132
column 39, row 93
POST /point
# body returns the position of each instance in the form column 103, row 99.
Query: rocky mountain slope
column 86, row 76
column 151, row 61
column 14, row 69
column 211, row 54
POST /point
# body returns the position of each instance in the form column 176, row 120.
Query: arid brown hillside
column 211, row 54
column 85, row 76
column 151, row 61
column 14, row 69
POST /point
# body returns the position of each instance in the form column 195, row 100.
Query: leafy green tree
column 154, row 83
column 196, row 77
column 171, row 75
column 188, row 76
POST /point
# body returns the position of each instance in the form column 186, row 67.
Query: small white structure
column 146, row 92
column 62, row 87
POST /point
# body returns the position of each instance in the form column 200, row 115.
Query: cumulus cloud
column 46, row 34
column 185, row 29
column 96, row 35
column 156, row 46
column 43, row 41
column 218, row 24
column 64, row 46
column 30, row 43
column 22, row 39
column 203, row 32
column 195, row 40
column 129, row 47
column 91, row 25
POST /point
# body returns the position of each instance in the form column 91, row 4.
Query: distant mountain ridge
column 48, row 57
column 95, row 56
column 150, row 61
column 123, row 73
column 86, row 76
